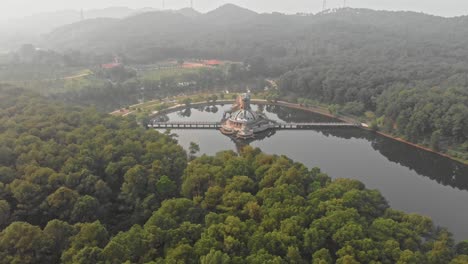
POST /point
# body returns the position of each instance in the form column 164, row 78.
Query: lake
column 412, row 180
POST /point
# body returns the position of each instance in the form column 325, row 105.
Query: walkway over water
column 216, row 125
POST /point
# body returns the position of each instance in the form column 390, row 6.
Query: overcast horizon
column 22, row 8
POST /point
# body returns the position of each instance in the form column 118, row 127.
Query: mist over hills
column 31, row 29
column 18, row 31
column 122, row 27
column 44, row 22
column 188, row 12
column 237, row 33
column 360, row 59
column 229, row 13
column 78, row 186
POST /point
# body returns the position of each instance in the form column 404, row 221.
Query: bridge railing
column 195, row 124
column 186, row 123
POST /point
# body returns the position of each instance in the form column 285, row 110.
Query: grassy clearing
column 21, row 73
column 159, row 74
column 51, row 86
column 48, row 80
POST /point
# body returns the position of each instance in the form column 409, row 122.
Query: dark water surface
column 412, row 180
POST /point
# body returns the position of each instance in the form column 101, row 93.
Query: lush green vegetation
column 436, row 117
column 175, row 72
column 407, row 100
column 52, row 73
column 77, row 165
column 75, row 77
column 157, row 84
column 354, row 60
column 77, row 186
column 82, row 187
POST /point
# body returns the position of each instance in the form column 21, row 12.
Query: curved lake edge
column 315, row 110
column 406, row 176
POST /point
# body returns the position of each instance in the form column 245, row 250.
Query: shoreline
column 419, row 146
column 348, row 119
column 315, row 110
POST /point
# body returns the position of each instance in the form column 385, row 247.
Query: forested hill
column 236, row 33
column 81, row 187
column 17, row 31
column 405, row 72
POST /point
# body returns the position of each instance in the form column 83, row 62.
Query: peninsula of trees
column 77, row 186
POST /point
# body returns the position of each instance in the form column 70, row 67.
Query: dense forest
column 437, row 117
column 359, row 61
column 81, row 186
column 72, row 164
column 77, row 186
column 79, row 78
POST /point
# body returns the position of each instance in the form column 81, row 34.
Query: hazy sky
column 20, row 8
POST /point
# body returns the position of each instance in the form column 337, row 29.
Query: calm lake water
column 412, row 180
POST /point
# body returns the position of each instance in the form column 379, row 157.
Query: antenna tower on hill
column 324, row 5
column 191, row 4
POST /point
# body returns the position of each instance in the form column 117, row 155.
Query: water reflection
column 297, row 116
column 187, row 112
column 412, row 180
column 436, row 167
column 440, row 169
column 241, row 143
column 443, row 170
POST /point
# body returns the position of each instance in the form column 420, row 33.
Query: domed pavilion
column 242, row 122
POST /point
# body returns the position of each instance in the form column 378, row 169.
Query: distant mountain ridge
column 187, row 29
column 230, row 13
column 188, row 11
column 45, row 22
column 233, row 32
column 14, row 32
column 135, row 29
